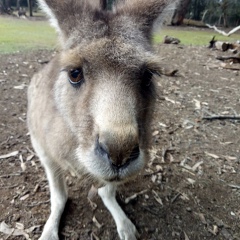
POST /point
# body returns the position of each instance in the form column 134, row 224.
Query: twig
column 175, row 197
column 151, row 211
column 12, row 186
column 38, row 203
column 29, row 150
column 9, row 175
column 234, row 186
column 221, row 117
column 223, row 58
column 153, row 173
column 4, row 142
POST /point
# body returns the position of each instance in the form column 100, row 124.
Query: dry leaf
column 172, row 101
column 215, row 229
column 94, row 236
column 186, row 236
column 159, row 168
column 162, row 125
column 20, row 87
column 230, row 158
column 29, row 158
column 36, row 188
column 157, row 198
column 197, row 104
column 127, row 200
column 92, row 193
column 184, row 197
column 153, row 178
column 202, row 218
column 12, row 154
column 23, row 164
column 24, row 197
column 19, row 225
column 212, row 155
column 31, row 229
column 96, row 222
column 92, row 204
column 226, row 143
column 155, row 133
column 190, row 180
column 234, row 186
column 197, row 165
column 4, row 228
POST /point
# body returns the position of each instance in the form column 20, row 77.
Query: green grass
column 193, row 36
column 21, row 35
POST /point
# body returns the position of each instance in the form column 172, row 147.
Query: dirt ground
column 190, row 188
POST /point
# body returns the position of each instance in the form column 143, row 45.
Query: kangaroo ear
column 147, row 13
column 65, row 15
column 51, row 9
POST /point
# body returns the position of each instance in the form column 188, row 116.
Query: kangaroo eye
column 75, row 76
column 147, row 75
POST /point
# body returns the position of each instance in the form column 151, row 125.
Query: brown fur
column 105, row 122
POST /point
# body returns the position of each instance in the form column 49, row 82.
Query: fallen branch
column 224, row 58
column 194, row 23
column 234, row 186
column 235, row 66
column 221, row 117
column 222, row 32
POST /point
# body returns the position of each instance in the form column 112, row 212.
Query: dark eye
column 147, row 86
column 147, row 75
column 75, row 76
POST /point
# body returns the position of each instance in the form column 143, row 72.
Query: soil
column 191, row 185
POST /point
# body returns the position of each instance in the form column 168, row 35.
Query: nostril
column 102, row 149
column 134, row 154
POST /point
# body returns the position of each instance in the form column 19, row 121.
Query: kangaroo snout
column 117, row 151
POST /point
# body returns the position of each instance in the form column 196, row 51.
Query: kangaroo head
column 104, row 81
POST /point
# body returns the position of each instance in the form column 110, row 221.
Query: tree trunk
column 224, row 7
column 225, row 23
column 2, row 7
column 180, row 12
column 30, row 8
column 7, row 3
column 18, row 4
column 5, row 7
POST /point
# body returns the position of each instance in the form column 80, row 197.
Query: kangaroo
column 90, row 108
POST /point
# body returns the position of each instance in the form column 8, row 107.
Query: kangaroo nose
column 102, row 150
column 117, row 156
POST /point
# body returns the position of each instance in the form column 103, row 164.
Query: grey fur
column 102, row 127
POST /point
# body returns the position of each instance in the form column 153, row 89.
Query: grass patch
column 193, row 36
column 21, row 35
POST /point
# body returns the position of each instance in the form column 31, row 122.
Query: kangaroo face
column 111, row 90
